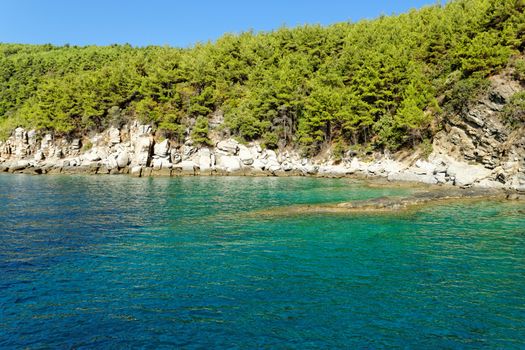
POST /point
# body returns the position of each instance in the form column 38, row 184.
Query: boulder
column 229, row 147
column 273, row 168
column 287, row 166
column 114, row 135
column 142, row 151
column 176, row 157
column 258, row 164
column 136, row 171
column 423, row 167
column 75, row 144
column 39, row 156
column 245, row 155
column 122, row 159
column 228, row 163
column 162, row 163
column 111, row 163
column 466, row 174
column 92, row 156
column 205, row 159
column 187, row 166
column 46, row 142
column 188, row 151
column 161, row 149
column 339, row 170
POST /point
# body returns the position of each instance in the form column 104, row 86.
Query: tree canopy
column 374, row 82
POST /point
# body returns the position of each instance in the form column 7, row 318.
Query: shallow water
column 120, row 262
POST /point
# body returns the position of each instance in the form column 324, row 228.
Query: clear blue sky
column 175, row 23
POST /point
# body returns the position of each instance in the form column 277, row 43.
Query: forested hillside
column 380, row 84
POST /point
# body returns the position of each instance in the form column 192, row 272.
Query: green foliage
column 87, row 146
column 371, row 83
column 464, row 92
column 339, row 149
column 515, row 110
column 426, row 148
column 199, row 133
column 270, row 140
column 519, row 69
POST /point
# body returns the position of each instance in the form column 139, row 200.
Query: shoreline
column 424, row 193
column 134, row 150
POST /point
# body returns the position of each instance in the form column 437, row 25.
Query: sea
column 115, row 262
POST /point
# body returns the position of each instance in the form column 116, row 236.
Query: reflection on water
column 123, row 262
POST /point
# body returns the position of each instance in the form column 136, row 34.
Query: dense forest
column 375, row 84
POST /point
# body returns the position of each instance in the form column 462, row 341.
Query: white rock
column 258, row 164
column 123, row 159
column 175, row 156
column 114, row 135
column 273, row 167
column 142, row 151
column 161, row 149
column 230, row 147
column 187, row 165
column 111, row 163
column 204, row 160
column 156, row 163
column 20, row 135
column 136, row 170
column 22, row 163
column 334, row 170
column 245, row 155
column 357, row 165
column 39, row 156
column 423, row 167
column 46, row 141
column 441, row 178
column 287, row 166
column 466, row 174
column 269, row 155
column 486, row 183
column 92, row 156
column 228, row 163
column 411, row 177
column 188, row 151
column 102, row 153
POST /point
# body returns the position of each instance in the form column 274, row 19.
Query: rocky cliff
column 474, row 148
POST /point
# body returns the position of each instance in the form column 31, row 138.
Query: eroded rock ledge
column 416, row 200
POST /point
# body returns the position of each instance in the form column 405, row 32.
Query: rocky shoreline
column 136, row 151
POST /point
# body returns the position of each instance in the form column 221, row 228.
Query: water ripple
column 119, row 262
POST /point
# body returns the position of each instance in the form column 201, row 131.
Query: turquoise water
column 118, row 262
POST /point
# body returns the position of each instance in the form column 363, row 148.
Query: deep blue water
column 119, row 262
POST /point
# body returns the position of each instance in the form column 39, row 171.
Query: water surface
column 120, row 262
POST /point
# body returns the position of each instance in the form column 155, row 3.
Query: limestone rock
column 205, row 159
column 229, row 147
column 411, row 177
column 161, row 149
column 136, row 171
column 176, row 157
column 114, row 135
column 228, row 163
column 465, row 174
column 187, row 166
column 142, row 151
column 122, row 159
column 245, row 155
